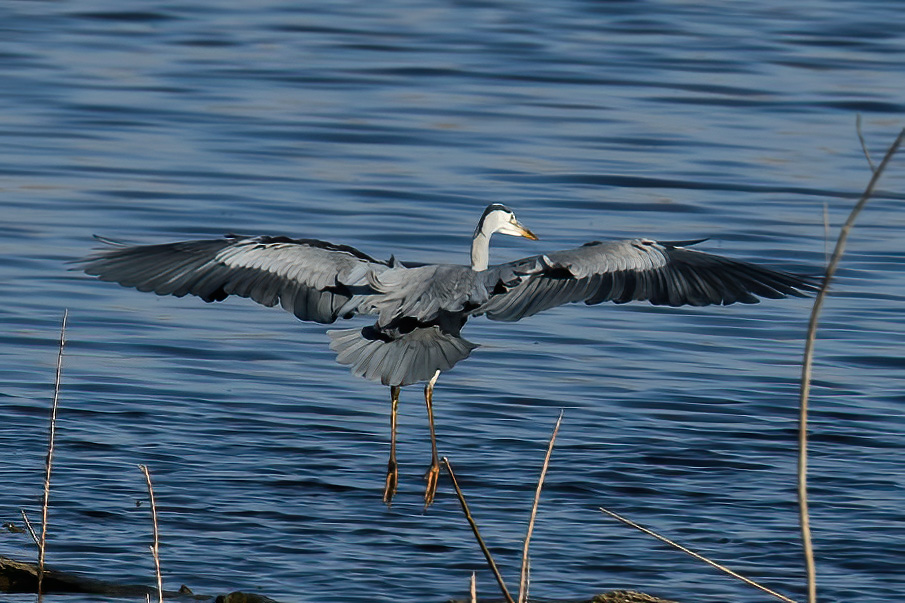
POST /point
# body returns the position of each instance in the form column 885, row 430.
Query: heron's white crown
column 501, row 219
column 496, row 218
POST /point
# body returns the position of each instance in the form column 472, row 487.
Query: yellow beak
column 525, row 232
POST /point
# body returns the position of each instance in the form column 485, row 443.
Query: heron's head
column 501, row 219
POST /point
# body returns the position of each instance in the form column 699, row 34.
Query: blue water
column 388, row 126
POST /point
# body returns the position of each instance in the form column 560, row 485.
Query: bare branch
column 523, row 578
column 808, row 360
column 155, row 548
column 826, row 234
column 870, row 161
column 477, row 534
column 697, row 556
column 29, row 527
column 48, row 462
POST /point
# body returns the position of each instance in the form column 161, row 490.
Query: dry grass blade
column 30, row 528
column 155, row 548
column 870, row 161
column 698, row 556
column 473, row 588
column 477, row 533
column 826, row 234
column 523, row 578
column 48, row 462
column 808, row 361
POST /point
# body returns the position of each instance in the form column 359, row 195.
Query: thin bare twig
column 477, row 534
column 808, row 361
column 523, row 577
column 48, row 462
column 870, row 161
column 30, row 528
column 826, row 234
column 155, row 548
column 697, row 556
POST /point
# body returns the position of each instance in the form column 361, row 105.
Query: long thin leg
column 392, row 469
column 433, row 472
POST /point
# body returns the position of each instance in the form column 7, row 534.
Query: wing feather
column 636, row 270
column 310, row 278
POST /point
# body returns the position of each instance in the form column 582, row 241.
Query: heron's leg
column 433, row 472
column 392, row 469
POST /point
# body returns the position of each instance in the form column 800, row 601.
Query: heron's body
column 419, row 310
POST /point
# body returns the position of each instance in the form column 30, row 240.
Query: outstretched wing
column 310, row 278
column 663, row 273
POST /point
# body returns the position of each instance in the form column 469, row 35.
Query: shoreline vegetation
column 36, row 578
column 21, row 577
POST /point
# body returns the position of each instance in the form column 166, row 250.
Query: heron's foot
column 389, row 490
column 432, row 476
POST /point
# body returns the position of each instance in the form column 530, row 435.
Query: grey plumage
column 401, row 359
column 664, row 273
column 421, row 310
column 310, row 278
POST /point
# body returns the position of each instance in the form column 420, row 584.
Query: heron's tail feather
column 400, row 359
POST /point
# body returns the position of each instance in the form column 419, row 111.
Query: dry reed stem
column 870, row 161
column 808, row 360
column 477, row 533
column 826, row 234
column 473, row 588
column 155, row 548
column 48, row 462
column 523, row 576
column 698, row 556
column 30, row 528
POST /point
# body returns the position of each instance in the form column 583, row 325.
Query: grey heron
column 420, row 309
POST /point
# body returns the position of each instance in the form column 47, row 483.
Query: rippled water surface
column 388, row 126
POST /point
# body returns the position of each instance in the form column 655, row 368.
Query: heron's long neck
column 480, row 251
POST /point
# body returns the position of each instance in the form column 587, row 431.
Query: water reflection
column 365, row 126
